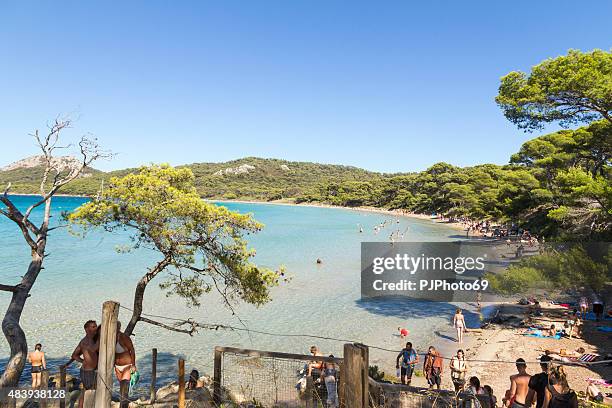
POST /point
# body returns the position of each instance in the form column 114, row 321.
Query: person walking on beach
column 558, row 393
column 538, row 384
column 459, row 324
column 86, row 353
column 329, row 375
column 125, row 364
column 458, row 369
column 409, row 358
column 598, row 308
column 432, row 367
column 37, row 359
column 519, row 386
column 584, row 305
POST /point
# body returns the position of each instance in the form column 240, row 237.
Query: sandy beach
column 499, row 345
column 398, row 213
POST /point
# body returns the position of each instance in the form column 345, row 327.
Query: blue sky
column 387, row 86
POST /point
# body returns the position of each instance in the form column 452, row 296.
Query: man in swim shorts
column 86, row 353
column 409, row 358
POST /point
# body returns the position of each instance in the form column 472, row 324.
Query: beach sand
column 504, row 344
column 397, row 213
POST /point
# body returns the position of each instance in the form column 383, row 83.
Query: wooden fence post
column 181, row 393
column 44, row 384
column 341, row 384
column 62, row 384
column 355, row 379
column 217, row 376
column 106, row 356
column 153, row 374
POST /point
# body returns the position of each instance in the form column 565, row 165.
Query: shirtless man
column 86, row 353
column 519, row 386
column 37, row 359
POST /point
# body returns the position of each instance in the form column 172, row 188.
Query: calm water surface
column 321, row 299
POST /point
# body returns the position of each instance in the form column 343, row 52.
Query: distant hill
column 248, row 178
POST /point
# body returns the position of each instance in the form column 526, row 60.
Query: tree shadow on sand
column 406, row 308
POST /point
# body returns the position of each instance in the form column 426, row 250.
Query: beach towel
column 538, row 334
column 599, row 381
column 587, row 358
column 591, row 316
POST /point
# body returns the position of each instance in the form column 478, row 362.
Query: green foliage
column 270, row 179
column 201, row 245
column 576, row 88
column 375, row 373
column 561, row 268
column 557, row 185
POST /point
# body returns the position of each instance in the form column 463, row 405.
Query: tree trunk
column 139, row 294
column 11, row 328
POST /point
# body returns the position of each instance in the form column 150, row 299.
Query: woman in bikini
column 459, row 324
column 125, row 363
column 37, row 359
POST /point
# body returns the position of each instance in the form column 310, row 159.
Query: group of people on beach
column 548, row 389
column 86, row 353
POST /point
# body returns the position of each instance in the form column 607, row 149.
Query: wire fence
column 278, row 380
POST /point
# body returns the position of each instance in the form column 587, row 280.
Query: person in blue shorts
column 409, row 358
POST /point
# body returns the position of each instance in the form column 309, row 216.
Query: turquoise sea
column 321, row 299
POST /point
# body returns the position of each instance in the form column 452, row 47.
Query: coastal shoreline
column 384, row 211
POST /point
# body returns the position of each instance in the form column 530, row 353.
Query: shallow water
column 321, row 299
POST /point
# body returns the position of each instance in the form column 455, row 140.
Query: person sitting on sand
column 552, row 332
column 519, row 386
column 37, row 359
